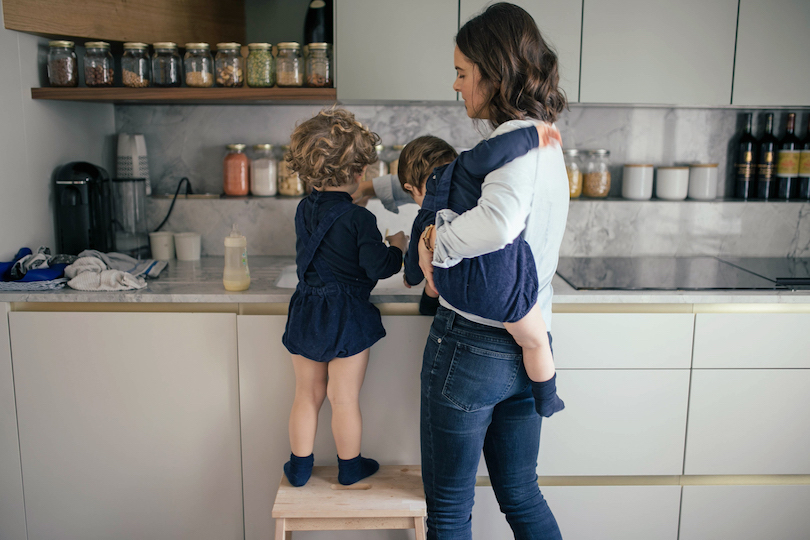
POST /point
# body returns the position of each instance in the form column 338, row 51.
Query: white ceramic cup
column 187, row 245
column 672, row 183
column 162, row 244
column 637, row 181
column 703, row 181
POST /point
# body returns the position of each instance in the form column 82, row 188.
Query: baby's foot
column 299, row 469
column 353, row 470
column 546, row 400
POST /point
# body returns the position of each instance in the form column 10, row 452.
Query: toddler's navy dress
column 339, row 257
column 501, row 285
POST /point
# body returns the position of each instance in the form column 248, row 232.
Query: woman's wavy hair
column 331, row 149
column 518, row 68
column 420, row 157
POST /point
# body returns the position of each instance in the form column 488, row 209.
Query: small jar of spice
column 62, row 64
column 597, row 174
column 261, row 66
column 288, row 65
column 319, row 65
column 167, row 66
column 574, row 170
column 235, row 171
column 263, row 170
column 98, row 64
column 135, row 65
column 289, row 183
column 199, row 65
column 229, row 65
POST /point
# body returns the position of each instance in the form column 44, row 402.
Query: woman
column 475, row 393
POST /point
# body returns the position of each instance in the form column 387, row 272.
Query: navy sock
column 355, row 469
column 546, row 400
column 299, row 469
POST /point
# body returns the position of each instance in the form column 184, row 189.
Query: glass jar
column 289, row 183
column 574, row 170
column 228, row 64
column 319, row 65
column 393, row 164
column 288, row 65
column 261, row 65
column 166, row 65
column 263, row 169
column 235, row 171
column 135, row 65
column 596, row 182
column 98, row 64
column 63, row 67
column 379, row 167
column 199, row 65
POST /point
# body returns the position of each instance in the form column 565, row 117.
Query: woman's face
column 468, row 82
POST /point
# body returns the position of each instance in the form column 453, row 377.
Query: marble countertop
column 201, row 282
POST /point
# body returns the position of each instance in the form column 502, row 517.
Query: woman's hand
column 427, row 242
column 364, row 192
column 548, row 134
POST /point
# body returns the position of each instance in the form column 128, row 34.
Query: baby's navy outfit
column 501, row 285
column 340, row 256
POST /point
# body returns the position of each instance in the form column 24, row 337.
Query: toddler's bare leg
column 531, row 334
column 310, row 391
column 346, row 377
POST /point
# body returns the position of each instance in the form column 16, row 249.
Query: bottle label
column 745, row 171
column 804, row 163
column 788, row 163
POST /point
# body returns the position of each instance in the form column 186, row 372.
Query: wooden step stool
column 392, row 498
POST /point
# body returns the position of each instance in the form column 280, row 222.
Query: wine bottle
column 745, row 161
column 318, row 22
column 787, row 162
column 804, row 165
column 766, row 161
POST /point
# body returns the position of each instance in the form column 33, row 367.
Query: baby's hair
column 331, row 149
column 420, row 157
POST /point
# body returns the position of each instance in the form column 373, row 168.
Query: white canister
column 672, row 183
column 187, row 246
column 637, row 181
column 703, row 181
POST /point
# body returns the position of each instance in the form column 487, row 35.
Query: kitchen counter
column 201, row 282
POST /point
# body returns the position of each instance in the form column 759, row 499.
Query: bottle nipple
column 235, row 231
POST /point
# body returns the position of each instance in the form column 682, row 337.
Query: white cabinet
column 616, row 422
column 389, row 402
column 749, row 421
column 745, row 512
column 772, row 44
column 129, row 425
column 658, row 51
column 12, row 512
column 560, row 24
column 395, row 50
column 592, row 512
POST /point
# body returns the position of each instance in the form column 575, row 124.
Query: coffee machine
column 84, row 209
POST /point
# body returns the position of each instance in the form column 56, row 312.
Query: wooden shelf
column 189, row 96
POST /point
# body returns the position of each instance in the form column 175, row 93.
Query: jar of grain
column 574, row 170
column 393, row 165
column 228, row 64
column 62, row 64
column 199, row 65
column 135, row 65
column 235, row 171
column 98, row 64
column 261, row 65
column 379, row 167
column 166, row 65
column 596, row 182
column 288, row 65
column 319, row 65
column 263, row 169
column 289, row 183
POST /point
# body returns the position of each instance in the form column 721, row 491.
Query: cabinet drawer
column 752, row 340
column 752, row 421
column 623, row 340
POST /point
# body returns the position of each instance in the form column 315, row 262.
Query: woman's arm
column 387, row 188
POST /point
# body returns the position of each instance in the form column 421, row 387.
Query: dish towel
column 92, row 274
column 118, row 261
column 33, row 285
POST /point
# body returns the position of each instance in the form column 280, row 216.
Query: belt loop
column 451, row 317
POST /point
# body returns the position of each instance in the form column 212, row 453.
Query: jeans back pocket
column 478, row 377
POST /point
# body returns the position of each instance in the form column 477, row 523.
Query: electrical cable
column 177, row 192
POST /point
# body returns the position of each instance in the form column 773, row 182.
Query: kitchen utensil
column 84, row 209
column 132, row 161
column 129, row 197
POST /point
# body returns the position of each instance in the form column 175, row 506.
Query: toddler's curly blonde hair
column 331, row 149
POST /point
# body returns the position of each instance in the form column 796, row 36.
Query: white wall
column 35, row 138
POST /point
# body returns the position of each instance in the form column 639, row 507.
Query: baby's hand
column 548, row 134
column 398, row 240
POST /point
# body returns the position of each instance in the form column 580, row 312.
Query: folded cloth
column 106, row 280
column 119, row 261
column 29, row 267
column 85, row 264
column 33, row 285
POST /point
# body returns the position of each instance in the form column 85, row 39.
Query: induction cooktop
column 684, row 273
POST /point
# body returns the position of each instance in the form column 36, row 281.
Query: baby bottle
column 236, row 276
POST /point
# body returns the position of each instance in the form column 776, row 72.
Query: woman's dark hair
column 518, row 68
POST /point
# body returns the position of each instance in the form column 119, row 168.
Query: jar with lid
column 289, row 183
column 228, row 64
column 319, row 65
column 135, row 65
column 98, row 64
column 63, row 67
column 235, row 171
column 596, row 182
column 288, row 65
column 261, row 65
column 199, row 65
column 393, row 163
column 166, row 65
column 236, row 275
column 574, row 170
column 263, row 170
column 379, row 167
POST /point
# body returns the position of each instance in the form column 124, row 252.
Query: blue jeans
column 476, row 395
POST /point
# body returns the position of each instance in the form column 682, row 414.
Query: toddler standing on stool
column 331, row 323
